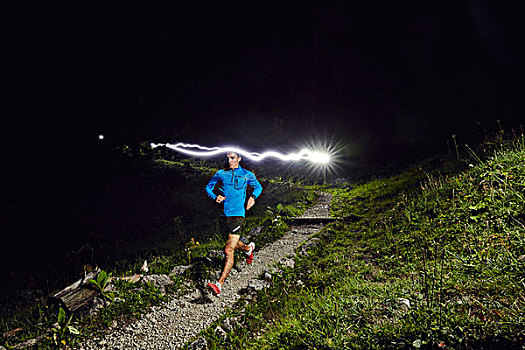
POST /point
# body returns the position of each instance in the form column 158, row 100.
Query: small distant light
column 101, row 137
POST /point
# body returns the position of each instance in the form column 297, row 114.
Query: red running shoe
column 216, row 288
column 249, row 259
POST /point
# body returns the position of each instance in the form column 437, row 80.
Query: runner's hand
column 250, row 203
column 220, row 199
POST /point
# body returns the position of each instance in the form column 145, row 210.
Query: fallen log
column 316, row 220
column 76, row 295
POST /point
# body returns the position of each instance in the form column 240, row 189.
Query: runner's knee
column 228, row 250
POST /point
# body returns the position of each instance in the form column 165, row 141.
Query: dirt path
column 172, row 324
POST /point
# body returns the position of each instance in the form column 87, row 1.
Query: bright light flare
column 319, row 157
column 202, row 151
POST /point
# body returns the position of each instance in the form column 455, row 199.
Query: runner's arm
column 257, row 188
column 209, row 187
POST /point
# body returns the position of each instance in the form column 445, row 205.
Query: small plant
column 190, row 245
column 278, row 214
column 101, row 283
column 63, row 328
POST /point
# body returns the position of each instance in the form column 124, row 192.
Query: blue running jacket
column 234, row 183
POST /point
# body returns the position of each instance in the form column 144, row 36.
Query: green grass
column 434, row 258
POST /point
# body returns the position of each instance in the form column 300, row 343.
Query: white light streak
column 202, row 151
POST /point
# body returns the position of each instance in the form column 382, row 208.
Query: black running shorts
column 231, row 225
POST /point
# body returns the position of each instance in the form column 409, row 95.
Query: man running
column 234, row 184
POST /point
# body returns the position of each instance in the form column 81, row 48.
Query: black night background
column 389, row 82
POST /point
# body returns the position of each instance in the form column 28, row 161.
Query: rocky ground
column 176, row 322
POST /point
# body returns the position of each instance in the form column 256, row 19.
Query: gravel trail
column 172, row 324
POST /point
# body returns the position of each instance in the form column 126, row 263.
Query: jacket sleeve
column 209, row 187
column 257, row 188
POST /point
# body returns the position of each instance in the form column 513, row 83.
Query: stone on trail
column 287, row 262
column 254, row 232
column 311, row 243
column 159, row 281
column 216, row 254
column 199, row 344
column 179, row 270
column 258, row 284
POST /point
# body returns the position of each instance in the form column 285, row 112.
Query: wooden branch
column 310, row 220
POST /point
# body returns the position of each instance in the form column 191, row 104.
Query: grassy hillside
column 432, row 258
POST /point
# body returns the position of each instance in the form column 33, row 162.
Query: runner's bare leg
column 231, row 245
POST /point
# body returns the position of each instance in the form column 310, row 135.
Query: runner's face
column 233, row 160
